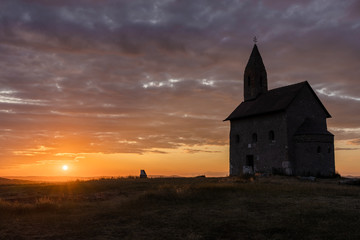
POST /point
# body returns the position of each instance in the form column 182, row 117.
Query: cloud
column 354, row 142
column 346, row 149
column 139, row 76
column 188, row 150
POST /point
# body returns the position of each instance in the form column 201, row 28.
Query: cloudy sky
column 110, row 87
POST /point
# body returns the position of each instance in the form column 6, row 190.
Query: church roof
column 275, row 100
column 311, row 126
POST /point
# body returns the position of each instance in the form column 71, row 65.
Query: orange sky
column 176, row 162
column 112, row 87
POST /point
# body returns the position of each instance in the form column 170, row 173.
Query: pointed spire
column 255, row 77
column 255, row 61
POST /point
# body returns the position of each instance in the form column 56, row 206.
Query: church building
column 279, row 131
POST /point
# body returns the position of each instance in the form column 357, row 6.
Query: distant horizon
column 74, row 178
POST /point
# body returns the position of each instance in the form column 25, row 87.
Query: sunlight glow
column 65, row 167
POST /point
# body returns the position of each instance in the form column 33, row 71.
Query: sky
column 109, row 87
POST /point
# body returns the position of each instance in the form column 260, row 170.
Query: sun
column 65, row 167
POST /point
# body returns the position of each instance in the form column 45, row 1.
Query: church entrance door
column 250, row 161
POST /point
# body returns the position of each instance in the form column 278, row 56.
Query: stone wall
column 305, row 106
column 267, row 154
column 314, row 155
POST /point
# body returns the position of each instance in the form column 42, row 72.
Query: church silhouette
column 279, row 131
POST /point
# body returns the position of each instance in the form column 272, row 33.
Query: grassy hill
column 4, row 181
column 181, row 208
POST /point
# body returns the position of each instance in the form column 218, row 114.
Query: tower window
column 248, row 81
column 271, row 135
column 237, row 138
column 254, row 138
column 329, row 149
column 318, row 149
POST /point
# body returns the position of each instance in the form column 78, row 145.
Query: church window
column 248, row 81
column 271, row 135
column 254, row 138
column 237, row 138
column 318, row 149
column 329, row 149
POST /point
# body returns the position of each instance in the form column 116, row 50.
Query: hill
column 181, row 208
column 12, row 181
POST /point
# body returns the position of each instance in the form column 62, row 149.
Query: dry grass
column 181, row 208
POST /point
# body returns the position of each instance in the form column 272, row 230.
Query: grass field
column 180, row 208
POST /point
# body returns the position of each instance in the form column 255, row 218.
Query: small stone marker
column 143, row 174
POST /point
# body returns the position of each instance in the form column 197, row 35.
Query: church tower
column 255, row 77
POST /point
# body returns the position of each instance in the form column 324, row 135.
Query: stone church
column 279, row 131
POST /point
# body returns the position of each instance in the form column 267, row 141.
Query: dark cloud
column 355, row 142
column 199, row 151
column 139, row 76
column 346, row 149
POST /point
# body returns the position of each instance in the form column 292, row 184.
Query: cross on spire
column 255, row 39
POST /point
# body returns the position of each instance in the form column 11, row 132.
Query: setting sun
column 65, row 167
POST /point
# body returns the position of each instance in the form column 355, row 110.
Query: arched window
column 248, row 81
column 271, row 135
column 318, row 149
column 254, row 138
column 329, row 149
